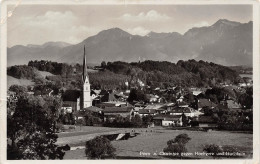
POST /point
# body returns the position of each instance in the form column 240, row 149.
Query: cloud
column 151, row 15
column 138, row 31
column 200, row 24
column 54, row 26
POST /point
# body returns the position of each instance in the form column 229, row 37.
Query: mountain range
column 225, row 42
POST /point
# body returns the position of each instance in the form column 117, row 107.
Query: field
column 14, row 81
column 44, row 74
column 154, row 140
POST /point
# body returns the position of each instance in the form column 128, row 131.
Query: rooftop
column 147, row 111
column 117, row 109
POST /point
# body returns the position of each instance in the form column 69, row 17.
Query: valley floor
column 153, row 140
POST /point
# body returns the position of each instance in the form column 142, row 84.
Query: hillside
column 225, row 42
column 15, row 81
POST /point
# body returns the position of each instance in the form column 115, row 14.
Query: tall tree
column 31, row 129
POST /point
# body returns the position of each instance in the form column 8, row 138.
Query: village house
column 182, row 104
column 169, row 106
column 152, row 98
column 167, row 120
column 201, row 103
column 231, row 104
column 95, row 110
column 113, row 104
column 207, row 121
column 92, row 110
column 189, row 112
column 172, row 121
column 66, row 108
column 146, row 112
column 72, row 98
column 138, row 106
column 121, row 96
column 112, row 112
column 159, row 108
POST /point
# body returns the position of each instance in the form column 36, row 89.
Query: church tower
column 86, row 98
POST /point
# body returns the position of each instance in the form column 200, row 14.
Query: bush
column 178, row 144
column 176, row 148
column 99, row 148
column 212, row 148
column 60, row 127
column 181, row 139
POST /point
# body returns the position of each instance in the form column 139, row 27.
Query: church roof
column 85, row 74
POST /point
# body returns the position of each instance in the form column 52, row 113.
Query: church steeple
column 86, row 98
column 84, row 74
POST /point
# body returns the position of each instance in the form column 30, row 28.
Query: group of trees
column 137, row 95
column 153, row 73
column 178, row 145
column 186, row 73
column 22, row 72
column 99, row 148
column 235, row 121
column 108, row 80
column 52, row 67
column 31, row 128
column 217, row 151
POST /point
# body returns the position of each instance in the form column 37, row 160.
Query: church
column 85, row 99
column 80, row 99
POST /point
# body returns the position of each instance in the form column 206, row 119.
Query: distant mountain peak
column 114, row 32
column 226, row 22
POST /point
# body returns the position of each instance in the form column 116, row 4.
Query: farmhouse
column 172, row 121
column 167, row 120
column 189, row 112
column 201, row 103
column 146, row 112
column 66, row 108
column 206, row 121
column 112, row 112
column 72, row 98
column 159, row 108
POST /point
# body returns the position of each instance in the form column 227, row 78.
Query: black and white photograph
column 130, row 81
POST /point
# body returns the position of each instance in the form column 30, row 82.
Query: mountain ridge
column 116, row 44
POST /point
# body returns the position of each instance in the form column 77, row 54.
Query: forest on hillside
column 185, row 73
column 114, row 75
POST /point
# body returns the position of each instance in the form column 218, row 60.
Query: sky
column 38, row 24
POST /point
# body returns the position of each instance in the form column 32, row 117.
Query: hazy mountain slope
column 225, row 42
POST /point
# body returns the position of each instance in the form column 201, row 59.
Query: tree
column 246, row 99
column 182, row 139
column 137, row 95
column 147, row 120
column 99, row 148
column 103, row 64
column 137, row 121
column 178, row 144
column 184, row 119
column 175, row 148
column 18, row 89
column 31, row 129
column 212, row 148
